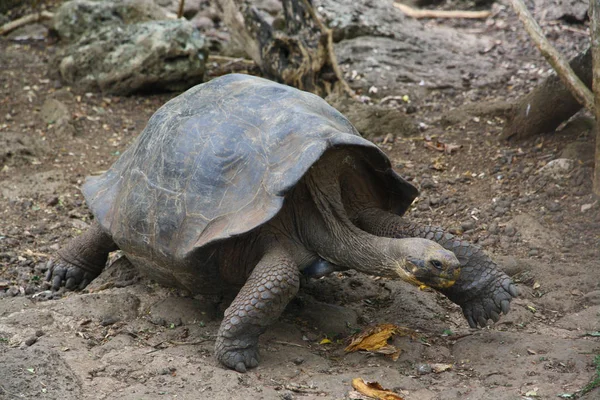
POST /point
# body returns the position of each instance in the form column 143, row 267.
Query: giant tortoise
column 243, row 181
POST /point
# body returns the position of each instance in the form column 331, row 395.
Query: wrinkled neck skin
column 318, row 226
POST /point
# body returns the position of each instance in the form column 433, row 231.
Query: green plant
column 595, row 382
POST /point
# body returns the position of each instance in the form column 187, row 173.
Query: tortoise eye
column 437, row 264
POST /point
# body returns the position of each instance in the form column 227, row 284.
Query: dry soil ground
column 148, row 342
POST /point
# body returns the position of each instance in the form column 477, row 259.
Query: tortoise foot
column 61, row 273
column 236, row 356
column 491, row 303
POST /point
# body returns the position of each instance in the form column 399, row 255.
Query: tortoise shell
column 217, row 162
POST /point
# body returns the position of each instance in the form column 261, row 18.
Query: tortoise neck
column 327, row 229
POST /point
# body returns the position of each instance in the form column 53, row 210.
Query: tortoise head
column 424, row 262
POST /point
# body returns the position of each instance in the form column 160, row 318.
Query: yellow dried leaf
column 375, row 339
column 374, row 389
column 325, row 341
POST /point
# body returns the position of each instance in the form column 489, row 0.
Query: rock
column 424, row 369
column 202, row 22
column 510, row 230
column 562, row 9
column 467, row 225
column 149, row 56
column 159, row 321
column 78, row 17
column 56, row 113
column 428, row 184
column 553, row 206
column 109, row 320
column 31, row 340
column 191, row 7
column 557, row 169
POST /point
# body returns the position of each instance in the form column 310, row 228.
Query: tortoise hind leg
column 482, row 290
column 272, row 284
column 81, row 259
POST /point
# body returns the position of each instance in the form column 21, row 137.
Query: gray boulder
column 78, row 17
column 150, row 56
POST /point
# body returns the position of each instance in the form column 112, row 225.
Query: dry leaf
column 375, row 339
column 374, row 389
column 438, row 368
column 438, row 165
column 437, row 145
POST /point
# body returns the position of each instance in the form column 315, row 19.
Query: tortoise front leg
column 81, row 260
column 483, row 291
column 272, row 284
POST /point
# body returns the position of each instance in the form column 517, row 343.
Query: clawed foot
column 490, row 304
column 238, row 358
column 61, row 273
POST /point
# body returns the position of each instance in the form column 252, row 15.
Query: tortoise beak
column 435, row 276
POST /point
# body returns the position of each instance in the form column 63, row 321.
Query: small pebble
column 554, row 206
column 423, row 369
column 158, row 321
column 427, row 184
column 467, row 225
column 109, row 320
column 31, row 340
column 510, row 230
column 492, row 240
column 493, row 228
column 456, row 230
column 298, row 360
column 287, row 396
column 533, row 252
column 423, row 206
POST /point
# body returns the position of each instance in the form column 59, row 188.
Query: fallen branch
column 560, row 65
column 416, row 13
column 180, row 10
column 230, row 60
column 28, row 19
column 530, row 117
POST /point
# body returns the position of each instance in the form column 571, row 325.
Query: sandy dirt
column 536, row 216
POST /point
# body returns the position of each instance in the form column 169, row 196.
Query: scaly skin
column 483, row 291
column 81, row 260
column 272, row 284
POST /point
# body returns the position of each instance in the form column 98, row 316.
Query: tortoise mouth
column 419, row 275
